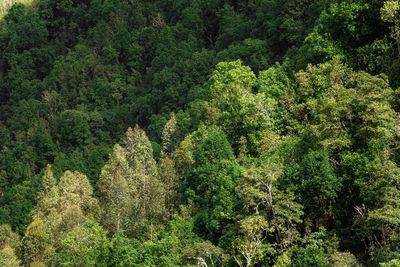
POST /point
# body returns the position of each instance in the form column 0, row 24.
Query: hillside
column 200, row 132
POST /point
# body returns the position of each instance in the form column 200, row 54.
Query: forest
column 200, row 133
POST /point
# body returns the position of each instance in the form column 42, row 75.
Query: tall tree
column 148, row 198
column 61, row 208
column 273, row 214
column 169, row 177
column 210, row 184
column 116, row 190
column 232, row 105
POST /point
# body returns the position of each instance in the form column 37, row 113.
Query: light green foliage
column 85, row 245
column 8, row 257
column 390, row 12
column 385, row 220
column 334, row 95
column 9, row 238
column 274, row 82
column 310, row 256
column 233, row 105
column 313, row 252
column 6, row 4
column 61, row 208
column 75, row 190
column 206, row 254
column 296, row 129
column 345, row 259
column 35, row 241
column 176, row 246
column 169, row 136
column 169, row 177
column 283, row 260
column 392, row 263
column 277, row 209
column 253, row 231
column 148, row 194
column 257, row 184
column 116, row 188
column 10, row 247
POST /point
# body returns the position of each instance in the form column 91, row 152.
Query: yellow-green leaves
column 390, row 12
column 234, row 106
column 61, row 207
column 116, row 191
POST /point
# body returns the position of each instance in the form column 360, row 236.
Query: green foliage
column 315, row 184
column 85, row 245
column 148, row 193
column 310, row 256
column 210, row 184
column 313, row 251
column 116, row 190
column 8, row 257
column 345, row 259
column 240, row 162
column 233, row 105
column 390, row 13
column 274, row 82
column 73, row 128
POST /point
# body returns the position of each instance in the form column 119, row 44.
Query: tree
column 170, row 179
column 249, row 244
column 9, row 238
column 273, row 213
column 384, row 226
column 75, row 190
column 53, row 100
column 206, row 254
column 35, row 242
column 233, row 106
column 314, row 183
column 10, row 247
column 48, row 182
column 61, row 208
column 169, row 136
column 274, row 82
column 8, row 257
column 148, row 197
column 313, row 251
column 73, row 128
column 116, row 191
column 85, row 245
column 390, row 12
column 210, row 184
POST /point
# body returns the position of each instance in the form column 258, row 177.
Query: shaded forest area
column 200, row 132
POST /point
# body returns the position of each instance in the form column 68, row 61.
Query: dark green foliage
column 313, row 180
column 210, row 184
column 73, row 128
column 310, row 256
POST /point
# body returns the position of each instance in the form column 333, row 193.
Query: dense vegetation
column 200, row 132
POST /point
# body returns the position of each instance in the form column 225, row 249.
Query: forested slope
column 201, row 132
